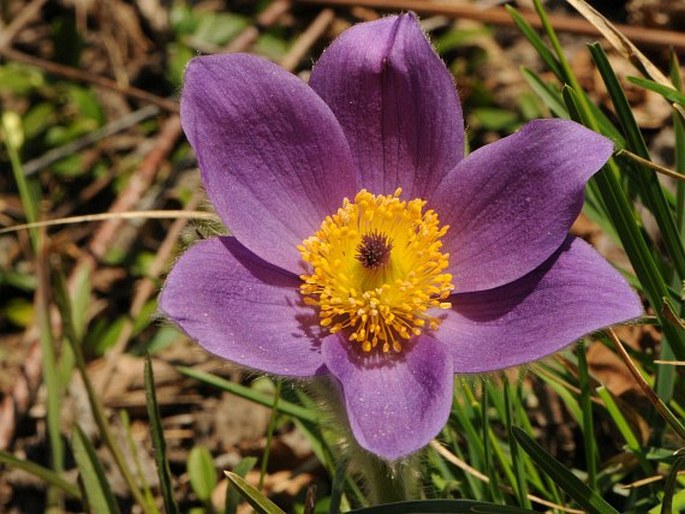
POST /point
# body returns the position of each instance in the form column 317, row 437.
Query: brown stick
column 268, row 17
column 78, row 75
column 499, row 16
column 26, row 15
column 307, row 39
column 138, row 184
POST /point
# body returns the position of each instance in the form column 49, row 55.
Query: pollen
column 377, row 271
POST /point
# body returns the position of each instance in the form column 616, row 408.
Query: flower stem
column 385, row 481
column 389, row 482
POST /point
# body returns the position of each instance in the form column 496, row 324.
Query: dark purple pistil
column 374, row 250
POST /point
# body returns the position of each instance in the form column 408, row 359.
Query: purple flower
column 367, row 247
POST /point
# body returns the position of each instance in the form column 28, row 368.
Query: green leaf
column 259, row 502
column 87, row 103
column 81, row 301
column 38, row 119
column 440, row 506
column 93, row 480
column 19, row 311
column 454, row 38
column 219, row 28
column 179, row 55
column 49, row 476
column 158, row 441
column 201, row 472
column 492, row 118
column 563, row 477
column 20, row 79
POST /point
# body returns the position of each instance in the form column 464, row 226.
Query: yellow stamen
column 376, row 271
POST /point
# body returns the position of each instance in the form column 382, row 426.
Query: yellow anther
column 377, row 271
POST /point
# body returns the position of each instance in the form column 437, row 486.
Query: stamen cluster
column 377, row 270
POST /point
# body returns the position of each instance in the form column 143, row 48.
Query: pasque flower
column 366, row 246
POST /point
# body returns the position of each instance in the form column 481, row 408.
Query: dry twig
column 499, row 16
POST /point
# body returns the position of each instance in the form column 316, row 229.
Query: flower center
column 374, row 250
column 377, row 270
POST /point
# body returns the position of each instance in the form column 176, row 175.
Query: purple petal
column 242, row 309
column 510, row 204
column 396, row 102
column 395, row 403
column 575, row 292
column 274, row 160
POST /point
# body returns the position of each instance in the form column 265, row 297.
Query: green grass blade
column 232, row 496
column 96, row 490
column 671, row 482
column 158, row 441
column 441, row 506
column 503, row 459
column 490, row 468
column 670, row 94
column 270, row 434
column 632, row 239
column 469, row 487
column 547, row 93
column 133, row 451
column 49, row 476
column 462, row 413
column 588, row 424
column 647, row 181
column 521, row 416
column 516, row 459
column 626, row 432
column 679, row 130
column 291, row 409
column 567, row 76
column 63, row 301
column 566, row 73
column 257, row 500
column 559, row 387
column 12, row 134
column 563, row 477
column 534, row 39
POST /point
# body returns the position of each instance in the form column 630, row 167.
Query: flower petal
column 510, row 204
column 274, row 160
column 242, row 309
column 395, row 403
column 396, row 102
column 573, row 293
